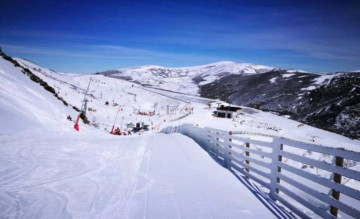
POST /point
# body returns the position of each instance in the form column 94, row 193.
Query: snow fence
column 278, row 166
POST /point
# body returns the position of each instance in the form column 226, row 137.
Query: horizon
column 189, row 66
column 212, row 63
column 170, row 67
column 75, row 37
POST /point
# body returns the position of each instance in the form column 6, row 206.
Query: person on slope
column 117, row 131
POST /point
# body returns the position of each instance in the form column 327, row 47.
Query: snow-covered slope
column 47, row 170
column 287, row 92
column 132, row 98
column 26, row 105
column 327, row 101
column 93, row 174
column 185, row 79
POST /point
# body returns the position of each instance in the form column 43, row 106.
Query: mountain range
column 328, row 101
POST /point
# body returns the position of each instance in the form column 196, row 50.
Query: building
column 226, row 111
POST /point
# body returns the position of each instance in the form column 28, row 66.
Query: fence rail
column 251, row 157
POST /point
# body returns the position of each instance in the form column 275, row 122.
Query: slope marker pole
column 112, row 129
column 83, row 108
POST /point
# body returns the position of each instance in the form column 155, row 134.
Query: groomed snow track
column 154, row 176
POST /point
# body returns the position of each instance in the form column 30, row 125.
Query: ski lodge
column 226, row 111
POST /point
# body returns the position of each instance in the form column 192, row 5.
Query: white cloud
column 110, row 52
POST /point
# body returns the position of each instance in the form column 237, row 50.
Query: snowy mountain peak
column 185, row 79
column 296, row 71
column 143, row 67
column 229, row 66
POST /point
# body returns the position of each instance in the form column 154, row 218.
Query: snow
column 295, row 71
column 312, row 87
column 23, row 101
column 273, row 80
column 181, row 79
column 146, row 98
column 322, row 79
column 49, row 170
column 287, row 75
column 97, row 176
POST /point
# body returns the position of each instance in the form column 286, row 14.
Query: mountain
column 49, row 170
column 185, row 79
column 328, row 101
column 46, row 164
column 27, row 101
column 134, row 98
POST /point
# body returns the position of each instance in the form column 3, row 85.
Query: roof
column 229, row 108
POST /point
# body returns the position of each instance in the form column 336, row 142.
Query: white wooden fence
column 263, row 162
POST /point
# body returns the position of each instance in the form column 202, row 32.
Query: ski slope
column 92, row 174
column 47, row 170
column 132, row 98
column 26, row 105
column 47, row 175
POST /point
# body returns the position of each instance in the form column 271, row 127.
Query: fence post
column 247, row 154
column 213, row 145
column 217, row 143
column 227, row 150
column 275, row 169
column 279, row 168
column 209, row 147
column 339, row 161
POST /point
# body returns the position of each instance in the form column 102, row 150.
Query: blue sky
column 89, row 36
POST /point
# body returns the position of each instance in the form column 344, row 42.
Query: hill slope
column 26, row 104
column 185, row 79
column 330, row 102
column 58, row 172
column 327, row 101
column 135, row 102
column 48, row 170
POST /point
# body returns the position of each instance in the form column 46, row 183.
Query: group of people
column 118, row 132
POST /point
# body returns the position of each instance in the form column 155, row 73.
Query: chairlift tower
column 83, row 108
column 85, row 100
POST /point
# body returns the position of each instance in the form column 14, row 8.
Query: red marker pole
column 112, row 129
column 76, row 126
